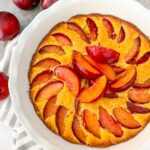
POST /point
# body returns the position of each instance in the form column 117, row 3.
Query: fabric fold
column 21, row 140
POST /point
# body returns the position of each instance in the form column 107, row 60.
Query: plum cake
column 90, row 80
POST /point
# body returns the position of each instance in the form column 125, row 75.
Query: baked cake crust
column 92, row 116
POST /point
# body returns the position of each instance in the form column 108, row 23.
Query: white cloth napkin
column 21, row 140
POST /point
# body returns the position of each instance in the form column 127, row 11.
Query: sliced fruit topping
column 78, row 131
column 93, row 92
column 117, row 69
column 47, row 63
column 79, row 30
column 140, row 96
column 50, row 108
column 61, row 115
column 91, row 123
column 71, row 79
column 134, row 51
column 84, row 73
column 109, row 123
column 125, row 80
column 63, row 39
column 52, row 49
column 49, row 91
column 143, row 59
column 93, row 29
column 102, row 54
column 137, row 109
column 4, row 91
column 77, row 106
column 125, row 118
column 42, row 78
column 108, row 71
column 109, row 27
column 146, row 84
column 109, row 93
column 103, row 68
column 121, row 36
column 84, row 68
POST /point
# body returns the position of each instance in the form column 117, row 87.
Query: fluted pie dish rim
column 19, row 70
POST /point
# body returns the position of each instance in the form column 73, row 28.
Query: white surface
column 5, row 137
column 27, row 44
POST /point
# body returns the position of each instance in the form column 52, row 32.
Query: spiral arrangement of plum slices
column 90, row 80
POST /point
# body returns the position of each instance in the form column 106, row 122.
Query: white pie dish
column 30, row 38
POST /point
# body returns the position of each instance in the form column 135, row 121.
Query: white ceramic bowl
column 129, row 10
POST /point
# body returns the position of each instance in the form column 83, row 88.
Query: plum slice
column 47, row 63
column 93, row 29
column 110, row 29
column 50, row 108
column 71, row 79
column 140, row 96
column 143, row 58
column 63, row 39
column 51, row 49
column 121, row 36
column 42, row 78
column 109, row 123
column 125, row 118
column 137, row 109
column 48, row 91
column 84, row 68
column 91, row 123
column 61, row 115
column 125, row 80
column 103, row 68
column 77, row 106
column 102, row 54
column 79, row 30
column 134, row 51
column 96, row 91
column 78, row 131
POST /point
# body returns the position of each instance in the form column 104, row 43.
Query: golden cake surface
column 90, row 80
